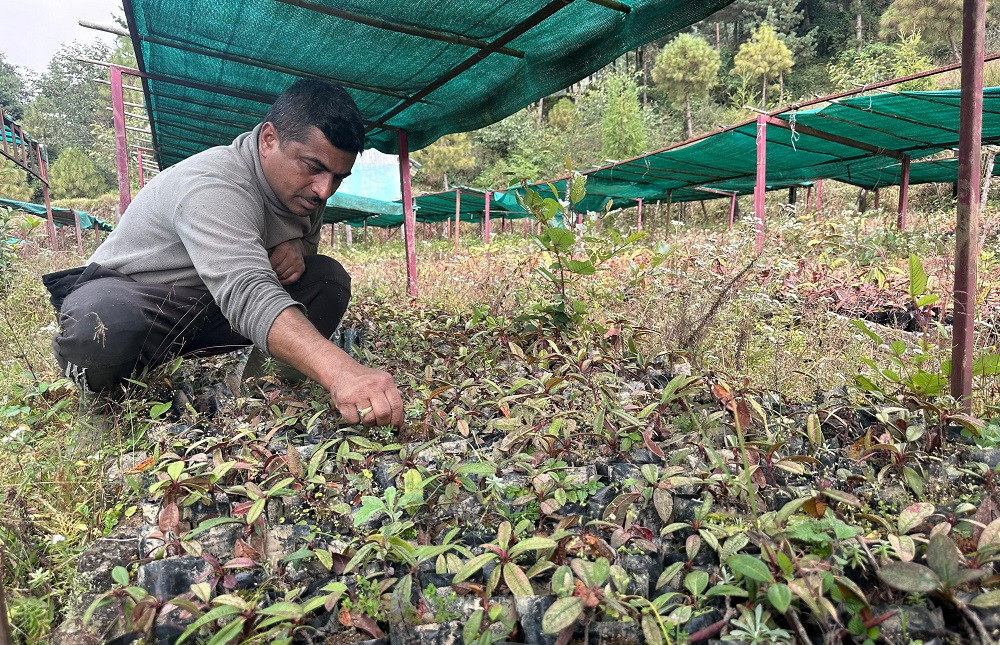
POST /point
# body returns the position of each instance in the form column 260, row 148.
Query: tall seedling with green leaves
column 574, row 254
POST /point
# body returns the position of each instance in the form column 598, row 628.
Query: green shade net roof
column 917, row 124
column 61, row 216
column 354, row 209
column 240, row 54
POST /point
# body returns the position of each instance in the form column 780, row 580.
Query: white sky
column 34, row 29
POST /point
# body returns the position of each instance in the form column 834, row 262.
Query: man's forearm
column 294, row 340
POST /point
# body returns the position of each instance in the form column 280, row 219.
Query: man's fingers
column 395, row 407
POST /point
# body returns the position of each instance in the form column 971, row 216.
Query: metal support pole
column 121, row 145
column 79, row 232
column 348, row 235
column 486, row 223
column 809, row 192
column 43, row 167
column 904, row 193
column 409, row 217
column 458, row 214
column 142, row 177
column 967, row 211
column 638, row 216
column 732, row 210
column 364, row 232
column 761, row 185
column 819, row 197
column 97, row 233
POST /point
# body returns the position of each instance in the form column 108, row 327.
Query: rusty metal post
column 967, row 211
column 819, row 197
column 43, row 167
column 732, row 210
column 486, row 222
column 121, row 145
column 458, row 214
column 638, row 216
column 904, row 190
column 409, row 217
column 79, row 232
column 761, row 185
column 142, row 178
column 97, row 232
column 809, row 192
column 364, row 231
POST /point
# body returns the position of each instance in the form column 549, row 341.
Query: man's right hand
column 369, row 390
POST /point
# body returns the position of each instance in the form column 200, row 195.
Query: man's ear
column 268, row 139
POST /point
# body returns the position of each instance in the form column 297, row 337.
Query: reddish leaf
column 242, row 508
column 293, row 461
column 653, row 448
column 358, row 620
column 170, row 517
column 721, row 393
column 815, row 508
column 239, row 563
column 243, row 550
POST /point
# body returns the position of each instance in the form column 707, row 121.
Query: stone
column 600, row 500
column 285, row 539
column 530, row 610
column 988, row 456
column 118, row 465
column 220, row 541
column 685, row 508
column 642, row 572
column 449, row 633
column 921, row 623
column 170, row 577
column 579, row 476
column 615, row 633
column 616, row 472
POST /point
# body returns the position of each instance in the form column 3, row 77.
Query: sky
column 34, row 30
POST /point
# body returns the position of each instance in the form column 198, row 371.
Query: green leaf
column 215, row 614
column 749, row 567
column 562, row 581
column 696, row 582
column 581, row 267
column 531, row 544
column 860, row 324
column 918, row 277
column 256, row 510
column 158, row 410
column 943, row 557
column 726, row 590
column 780, row 596
column 913, row 480
column 563, row 613
column 120, row 575
column 651, row 630
column 473, row 565
column 325, row 558
column 988, row 600
column 913, row 516
column 898, row 347
column 579, row 188
column 562, row 239
column 927, row 299
column 175, row 469
column 516, row 581
column 986, row 365
column 909, row 577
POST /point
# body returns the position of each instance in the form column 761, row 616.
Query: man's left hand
column 287, row 262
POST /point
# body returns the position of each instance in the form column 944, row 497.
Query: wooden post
column 364, row 232
column 761, row 183
column 97, row 233
column 409, row 217
column 348, row 235
column 121, row 145
column 967, row 211
column 904, row 192
column 43, row 167
column 809, row 191
column 732, row 210
column 638, row 216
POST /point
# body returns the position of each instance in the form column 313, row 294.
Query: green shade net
column 353, row 209
column 61, row 216
column 918, row 124
column 269, row 44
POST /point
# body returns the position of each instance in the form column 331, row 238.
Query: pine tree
column 73, row 175
column 622, row 132
column 938, row 21
column 13, row 182
column 764, row 56
column 876, row 62
column 687, row 67
column 446, row 157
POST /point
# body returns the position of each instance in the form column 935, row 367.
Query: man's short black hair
column 323, row 104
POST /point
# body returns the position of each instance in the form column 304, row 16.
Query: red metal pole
column 638, row 216
column 97, row 233
column 142, row 178
column 458, row 213
column 819, row 197
column 732, row 210
column 761, row 185
column 121, row 145
column 904, row 192
column 486, row 224
column 79, row 232
column 43, row 167
column 809, row 192
column 967, row 211
column 409, row 217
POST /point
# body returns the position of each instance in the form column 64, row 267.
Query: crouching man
column 219, row 251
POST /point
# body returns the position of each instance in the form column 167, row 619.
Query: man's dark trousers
column 112, row 327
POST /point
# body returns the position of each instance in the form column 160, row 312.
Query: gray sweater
column 208, row 222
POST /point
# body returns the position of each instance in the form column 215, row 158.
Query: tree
column 622, row 133
column 11, row 89
column 687, row 67
column 14, row 182
column 562, row 115
column 880, row 62
column 938, row 21
column 765, row 57
column 449, row 155
column 786, row 17
column 73, row 175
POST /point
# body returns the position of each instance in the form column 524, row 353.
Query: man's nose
column 325, row 185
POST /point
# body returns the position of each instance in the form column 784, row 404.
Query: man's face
column 303, row 174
